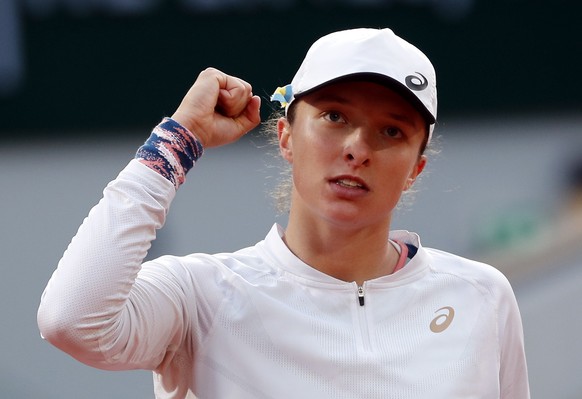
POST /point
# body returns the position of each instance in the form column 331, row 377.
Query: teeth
column 348, row 183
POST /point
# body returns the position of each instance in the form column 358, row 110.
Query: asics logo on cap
column 416, row 83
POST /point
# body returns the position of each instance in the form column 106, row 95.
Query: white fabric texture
column 260, row 323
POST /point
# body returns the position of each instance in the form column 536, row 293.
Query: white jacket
column 260, row 323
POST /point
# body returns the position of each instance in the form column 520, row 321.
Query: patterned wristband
column 171, row 150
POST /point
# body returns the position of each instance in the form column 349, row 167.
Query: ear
column 285, row 142
column 416, row 171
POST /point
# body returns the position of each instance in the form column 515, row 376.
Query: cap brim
column 383, row 80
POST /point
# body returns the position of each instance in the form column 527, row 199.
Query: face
column 354, row 148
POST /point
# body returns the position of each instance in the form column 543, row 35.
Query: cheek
column 312, row 160
column 400, row 172
column 311, row 146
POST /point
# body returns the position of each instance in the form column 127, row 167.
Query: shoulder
column 246, row 264
column 446, row 263
column 205, row 282
column 483, row 276
column 203, row 272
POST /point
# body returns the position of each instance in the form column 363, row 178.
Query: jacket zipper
column 361, row 295
column 362, row 320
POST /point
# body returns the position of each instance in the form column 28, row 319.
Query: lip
column 353, row 185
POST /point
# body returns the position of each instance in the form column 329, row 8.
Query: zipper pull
column 361, row 295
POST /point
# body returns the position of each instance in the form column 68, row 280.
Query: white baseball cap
column 371, row 54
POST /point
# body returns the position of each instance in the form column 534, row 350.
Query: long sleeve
column 95, row 307
column 86, row 304
column 513, row 373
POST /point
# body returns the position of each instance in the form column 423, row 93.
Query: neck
column 348, row 254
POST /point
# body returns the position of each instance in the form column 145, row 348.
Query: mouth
column 350, row 182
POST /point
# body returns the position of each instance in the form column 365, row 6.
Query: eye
column 393, row 132
column 334, row 116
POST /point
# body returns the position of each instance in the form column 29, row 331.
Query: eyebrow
column 402, row 118
column 335, row 98
column 338, row 98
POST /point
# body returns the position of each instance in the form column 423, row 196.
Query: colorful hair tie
column 283, row 95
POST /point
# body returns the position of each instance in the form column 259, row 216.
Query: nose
column 357, row 149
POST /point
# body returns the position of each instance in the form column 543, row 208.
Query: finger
column 251, row 116
column 233, row 96
column 200, row 100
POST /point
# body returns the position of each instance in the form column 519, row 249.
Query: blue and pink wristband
column 171, row 150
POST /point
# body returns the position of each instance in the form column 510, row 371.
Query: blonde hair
column 281, row 193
